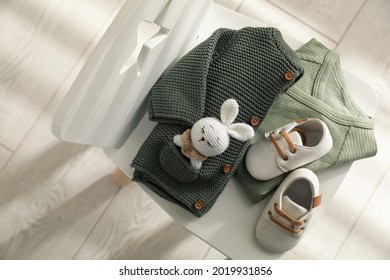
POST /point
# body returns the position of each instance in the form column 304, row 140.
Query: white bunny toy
column 210, row 136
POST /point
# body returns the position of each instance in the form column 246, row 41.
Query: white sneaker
column 287, row 148
column 287, row 216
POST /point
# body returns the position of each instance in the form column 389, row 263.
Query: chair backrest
column 108, row 98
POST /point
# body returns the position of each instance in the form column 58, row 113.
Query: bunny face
column 209, row 137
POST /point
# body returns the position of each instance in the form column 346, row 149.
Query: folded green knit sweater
column 253, row 66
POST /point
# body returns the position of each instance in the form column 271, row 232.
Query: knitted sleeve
column 179, row 95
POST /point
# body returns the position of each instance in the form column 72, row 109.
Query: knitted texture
column 322, row 93
column 247, row 65
column 227, row 62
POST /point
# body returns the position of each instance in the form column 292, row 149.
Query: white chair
column 106, row 107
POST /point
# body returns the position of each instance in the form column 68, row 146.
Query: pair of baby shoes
column 287, row 216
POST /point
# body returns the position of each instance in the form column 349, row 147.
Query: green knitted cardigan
column 251, row 65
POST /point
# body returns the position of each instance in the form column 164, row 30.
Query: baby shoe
column 288, row 214
column 288, row 147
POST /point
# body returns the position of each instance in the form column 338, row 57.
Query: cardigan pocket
column 176, row 165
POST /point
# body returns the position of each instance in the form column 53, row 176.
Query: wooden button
column 227, row 168
column 289, row 75
column 198, row 204
column 255, row 121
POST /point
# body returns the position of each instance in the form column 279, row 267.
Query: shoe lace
column 295, row 222
column 290, row 143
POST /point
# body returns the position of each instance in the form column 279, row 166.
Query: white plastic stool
column 106, row 107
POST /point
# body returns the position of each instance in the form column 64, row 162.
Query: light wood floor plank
column 5, row 155
column 370, row 236
column 267, row 13
column 135, row 227
column 52, row 194
column 365, row 49
column 331, row 18
column 214, row 254
column 230, row 4
column 39, row 44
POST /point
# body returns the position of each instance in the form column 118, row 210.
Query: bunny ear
column 229, row 111
column 241, row 131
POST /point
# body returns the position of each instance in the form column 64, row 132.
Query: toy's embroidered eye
column 202, row 130
column 208, row 143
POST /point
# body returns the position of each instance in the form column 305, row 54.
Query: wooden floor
column 57, row 200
